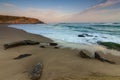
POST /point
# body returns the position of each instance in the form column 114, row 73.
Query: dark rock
column 20, row 43
column 22, row 56
column 97, row 56
column 36, row 72
column 56, row 47
column 53, row 44
column 30, row 42
column 81, row 35
column 111, row 62
column 85, row 54
column 42, row 46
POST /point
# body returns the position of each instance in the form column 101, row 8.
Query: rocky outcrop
column 18, row 20
column 96, row 55
column 20, row 43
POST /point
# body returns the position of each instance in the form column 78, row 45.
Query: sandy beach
column 58, row 64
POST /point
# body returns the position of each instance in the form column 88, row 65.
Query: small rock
column 56, row 47
column 20, row 43
column 53, row 44
column 22, row 56
column 36, row 72
column 97, row 56
column 42, row 46
column 81, row 35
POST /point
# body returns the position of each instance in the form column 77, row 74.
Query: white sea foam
column 91, row 48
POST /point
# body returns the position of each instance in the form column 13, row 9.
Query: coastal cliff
column 5, row 19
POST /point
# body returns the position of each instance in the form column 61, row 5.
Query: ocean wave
column 69, row 32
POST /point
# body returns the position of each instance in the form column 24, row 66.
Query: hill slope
column 4, row 19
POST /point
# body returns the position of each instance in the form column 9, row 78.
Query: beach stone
column 30, row 42
column 42, row 46
column 99, row 57
column 20, row 43
column 22, row 56
column 81, row 35
column 53, row 44
column 36, row 72
column 56, row 47
column 85, row 54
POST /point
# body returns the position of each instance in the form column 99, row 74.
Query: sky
column 56, row 11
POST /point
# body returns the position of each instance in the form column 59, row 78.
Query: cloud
column 98, row 13
column 97, row 16
column 8, row 5
column 106, row 4
column 46, row 15
column 102, row 4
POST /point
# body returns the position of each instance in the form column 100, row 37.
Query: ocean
column 83, row 33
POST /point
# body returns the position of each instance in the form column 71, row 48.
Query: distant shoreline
column 5, row 19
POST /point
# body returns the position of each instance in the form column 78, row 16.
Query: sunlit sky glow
column 52, row 11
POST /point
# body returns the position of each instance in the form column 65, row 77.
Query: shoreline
column 75, row 46
column 59, row 64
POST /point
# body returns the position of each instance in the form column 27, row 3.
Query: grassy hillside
column 4, row 19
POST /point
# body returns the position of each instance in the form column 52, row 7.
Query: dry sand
column 59, row 64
